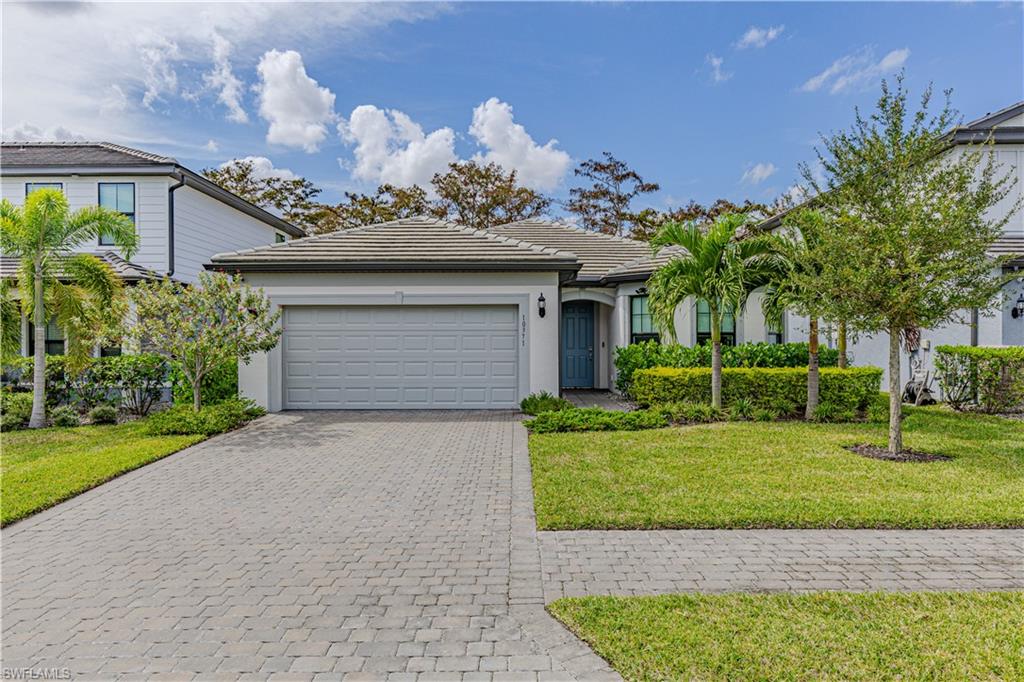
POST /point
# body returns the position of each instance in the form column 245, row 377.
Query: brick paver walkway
column 657, row 562
column 364, row 545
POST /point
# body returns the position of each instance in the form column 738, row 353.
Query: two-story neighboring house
column 182, row 218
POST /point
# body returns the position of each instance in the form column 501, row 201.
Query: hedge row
column 783, row 389
column 650, row 354
column 991, row 379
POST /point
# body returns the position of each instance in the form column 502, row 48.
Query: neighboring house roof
column 642, row 268
column 418, row 243
column 126, row 270
column 105, row 158
column 1009, row 246
column 597, row 252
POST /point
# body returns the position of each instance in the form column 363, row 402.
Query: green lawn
column 782, row 475
column 42, row 467
column 824, row 636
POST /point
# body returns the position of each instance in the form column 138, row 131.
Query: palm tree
column 714, row 266
column 797, row 288
column 76, row 289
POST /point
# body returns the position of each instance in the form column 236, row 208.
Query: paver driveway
column 367, row 545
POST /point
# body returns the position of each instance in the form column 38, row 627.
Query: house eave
column 391, row 266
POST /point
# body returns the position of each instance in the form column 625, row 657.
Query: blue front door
column 578, row 344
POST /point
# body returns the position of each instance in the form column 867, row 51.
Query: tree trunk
column 812, row 370
column 195, row 396
column 895, row 394
column 38, row 418
column 841, row 333
column 716, row 362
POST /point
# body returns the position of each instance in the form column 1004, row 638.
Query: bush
column 827, row 412
column 990, row 378
column 878, row 409
column 65, row 416
column 16, row 409
column 535, row 403
column 210, row 420
column 219, row 385
column 103, row 414
column 742, row 408
column 690, row 413
column 848, row 389
column 765, row 414
column 138, row 378
column 596, row 419
column 650, row 354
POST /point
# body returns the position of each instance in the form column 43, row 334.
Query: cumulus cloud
column 758, row 173
column 262, row 168
column 222, row 79
column 157, row 54
column 26, row 132
column 211, row 146
column 297, row 108
column 759, row 37
column 718, row 74
column 392, row 148
column 540, row 167
column 856, row 71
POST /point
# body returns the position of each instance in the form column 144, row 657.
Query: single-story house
column 423, row 313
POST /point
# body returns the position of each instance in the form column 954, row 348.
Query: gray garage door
column 380, row 357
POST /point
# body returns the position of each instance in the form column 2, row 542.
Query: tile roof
column 1009, row 246
column 124, row 269
column 597, row 252
column 74, row 154
column 418, row 243
column 643, row 267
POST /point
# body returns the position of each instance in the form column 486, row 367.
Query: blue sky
column 283, row 82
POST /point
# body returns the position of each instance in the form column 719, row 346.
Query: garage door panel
column 400, row 357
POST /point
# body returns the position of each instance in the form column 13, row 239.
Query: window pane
column 126, row 197
column 33, row 186
column 108, row 195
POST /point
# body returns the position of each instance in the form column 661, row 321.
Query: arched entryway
column 584, row 332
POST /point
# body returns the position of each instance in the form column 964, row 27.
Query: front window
column 641, row 324
column 54, row 339
column 704, row 325
column 117, row 196
column 33, row 186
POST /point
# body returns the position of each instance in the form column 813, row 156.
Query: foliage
column 595, row 419
column 605, row 205
column 290, row 196
column 386, row 204
column 856, row 637
column 219, row 385
column 16, row 409
column 201, row 327
column 711, row 265
column 990, row 378
column 78, row 291
column 65, row 416
column 784, row 474
column 535, row 403
column 648, row 354
column 484, row 195
column 828, row 411
column 878, row 409
column 138, row 378
column 650, row 220
column 208, row 421
column 44, row 467
column 912, row 225
column 765, row 414
column 681, row 412
column 10, row 320
column 103, row 414
column 741, row 408
column 850, row 389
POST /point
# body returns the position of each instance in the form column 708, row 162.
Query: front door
column 578, row 344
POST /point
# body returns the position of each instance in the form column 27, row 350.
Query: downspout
column 170, row 222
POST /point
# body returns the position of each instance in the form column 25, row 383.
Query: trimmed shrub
column 210, row 420
column 650, row 354
column 535, row 403
column 848, row 389
column 138, row 378
column 596, row 419
column 103, row 414
column 878, row 409
column 16, row 409
column 690, row 413
column 992, row 379
column 65, row 416
column 219, row 385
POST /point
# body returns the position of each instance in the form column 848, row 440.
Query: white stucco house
column 182, row 218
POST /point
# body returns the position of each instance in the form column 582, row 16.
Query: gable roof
column 995, row 125
column 642, row 268
column 124, row 269
column 106, row 158
column 418, row 243
column 597, row 252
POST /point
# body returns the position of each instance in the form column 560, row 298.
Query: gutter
column 393, row 266
column 170, row 222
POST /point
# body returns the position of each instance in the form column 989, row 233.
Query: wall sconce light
column 1018, row 310
column 541, row 305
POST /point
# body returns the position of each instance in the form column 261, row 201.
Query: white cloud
column 114, row 102
column 157, row 54
column 262, row 168
column 758, row 173
column 26, row 132
column 718, row 74
column 222, row 79
column 211, row 146
column 508, row 144
column 856, row 71
column 297, row 108
column 392, row 148
column 759, row 37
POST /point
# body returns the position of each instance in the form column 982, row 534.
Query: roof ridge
column 551, row 251
column 148, row 156
column 131, row 151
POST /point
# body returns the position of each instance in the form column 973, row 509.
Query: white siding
column 204, row 226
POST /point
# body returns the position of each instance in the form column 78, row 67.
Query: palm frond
column 10, row 320
column 93, row 275
column 12, row 229
column 87, row 224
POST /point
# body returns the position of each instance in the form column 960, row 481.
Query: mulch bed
column 879, row 452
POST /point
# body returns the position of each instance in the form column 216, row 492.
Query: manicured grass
column 43, row 467
column 824, row 636
column 782, row 475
